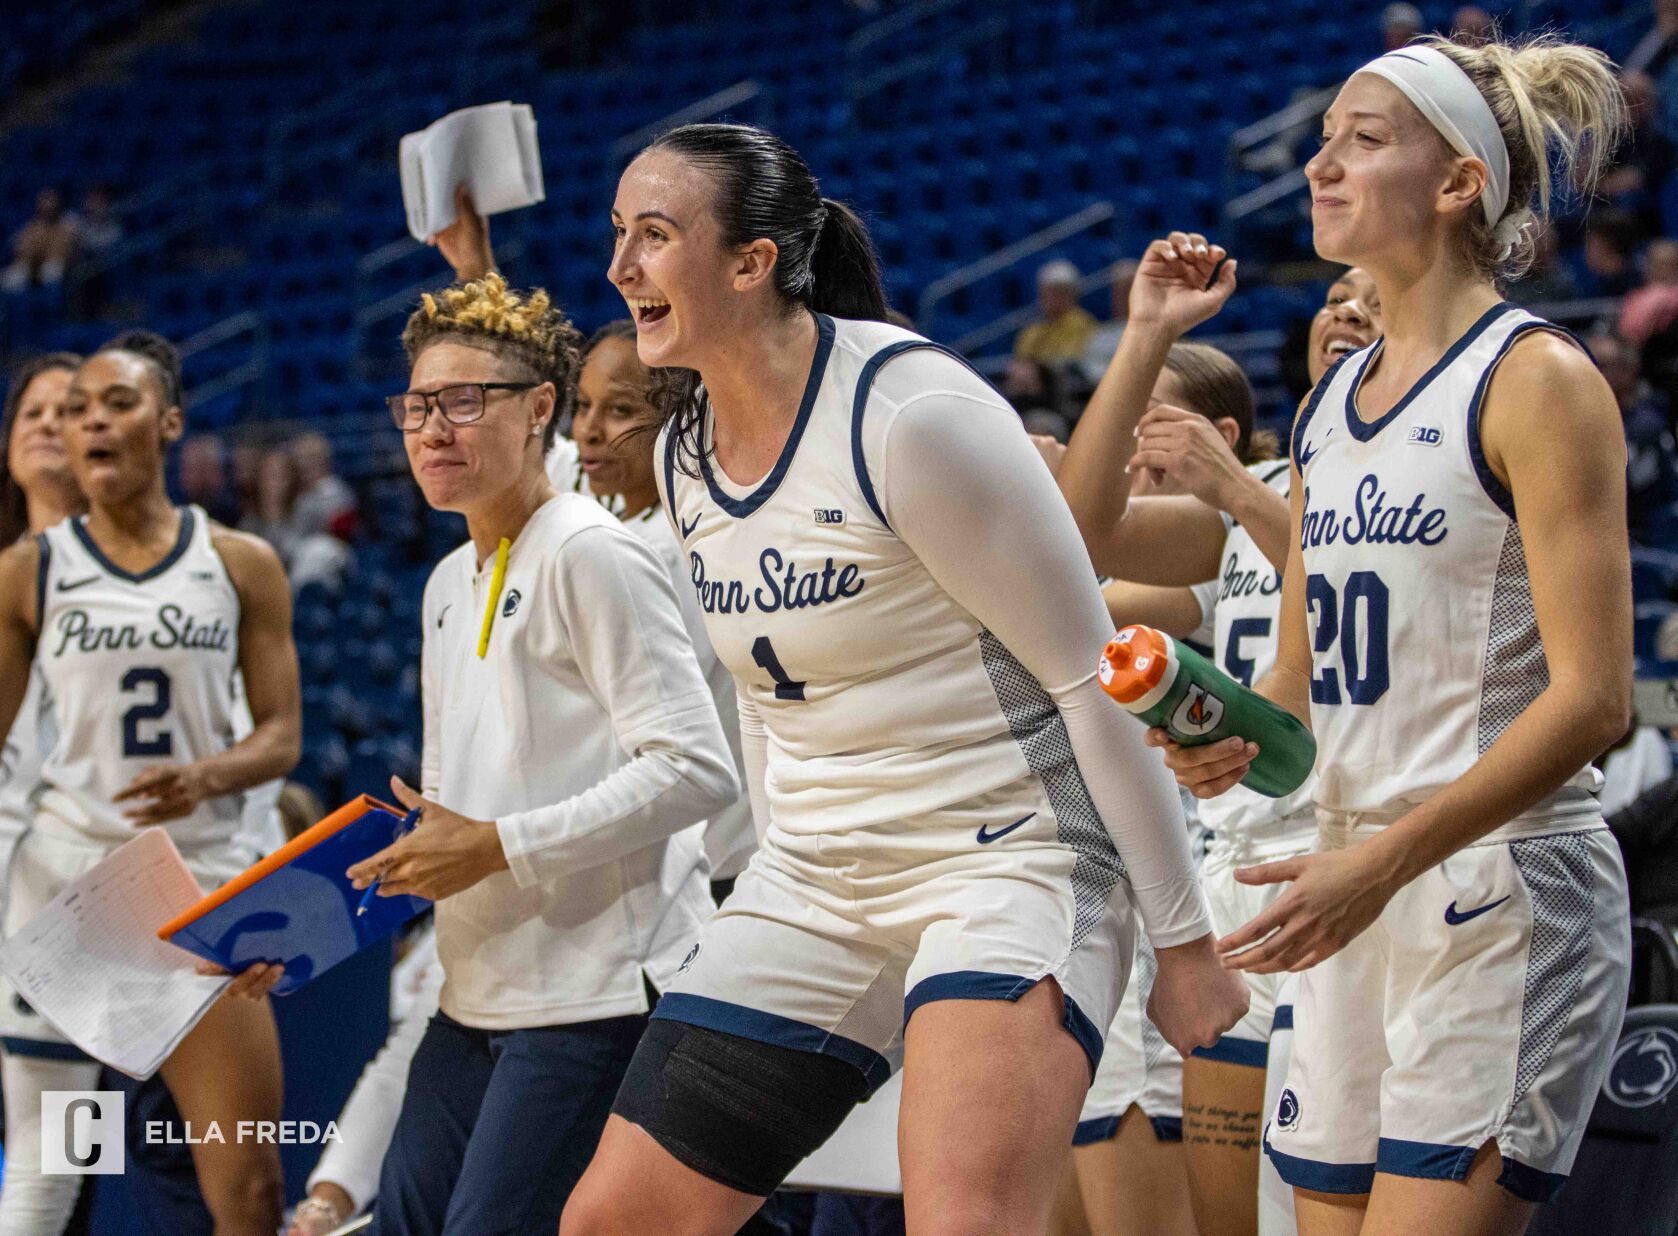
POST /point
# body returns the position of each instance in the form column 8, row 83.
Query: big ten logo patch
column 1425, row 435
column 81, row 1133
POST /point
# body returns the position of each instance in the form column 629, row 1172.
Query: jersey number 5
column 162, row 742
column 763, row 652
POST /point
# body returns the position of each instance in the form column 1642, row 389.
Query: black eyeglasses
column 460, row 404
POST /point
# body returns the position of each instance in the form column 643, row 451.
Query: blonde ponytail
column 1561, row 113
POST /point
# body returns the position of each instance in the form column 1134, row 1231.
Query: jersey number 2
column 162, row 742
column 763, row 652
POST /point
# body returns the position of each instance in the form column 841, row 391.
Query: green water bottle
column 1168, row 684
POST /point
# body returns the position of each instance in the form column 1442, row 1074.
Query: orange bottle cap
column 1133, row 663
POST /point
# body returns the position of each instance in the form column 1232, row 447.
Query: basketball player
column 568, row 738
column 1455, row 626
column 902, row 597
column 138, row 617
column 1187, row 411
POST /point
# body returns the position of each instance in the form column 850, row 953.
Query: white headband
column 1453, row 104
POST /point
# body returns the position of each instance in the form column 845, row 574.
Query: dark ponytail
column 845, row 273
column 14, row 506
column 764, row 190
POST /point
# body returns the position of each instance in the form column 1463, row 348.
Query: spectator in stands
column 248, row 454
column 1063, row 330
column 1105, row 340
column 43, row 246
column 1610, row 242
column 204, row 478
column 1652, row 308
column 1399, row 24
column 97, row 226
column 1651, row 474
column 1645, row 159
column 1548, row 280
column 325, row 502
column 1472, row 25
column 276, row 498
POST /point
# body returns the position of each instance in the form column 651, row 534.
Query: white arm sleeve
column 368, row 1120
column 627, row 636
column 956, row 471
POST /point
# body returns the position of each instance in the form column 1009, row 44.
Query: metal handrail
column 858, row 88
column 885, row 27
column 1283, row 119
column 1267, row 194
column 963, row 276
column 711, row 105
column 252, row 372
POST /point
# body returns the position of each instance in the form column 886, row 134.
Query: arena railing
column 1095, row 215
column 722, row 103
column 865, row 76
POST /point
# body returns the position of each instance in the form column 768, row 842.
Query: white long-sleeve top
column 911, row 619
column 730, row 837
column 589, row 737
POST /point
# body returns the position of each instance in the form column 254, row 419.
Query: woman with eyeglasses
column 138, row 616
column 569, row 736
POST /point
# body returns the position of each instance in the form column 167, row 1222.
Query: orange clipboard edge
column 307, row 840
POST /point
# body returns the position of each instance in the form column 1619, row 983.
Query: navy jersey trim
column 1495, row 489
column 1365, row 431
column 182, row 541
column 742, row 507
column 859, row 405
column 1281, row 467
column 43, row 567
column 1303, row 420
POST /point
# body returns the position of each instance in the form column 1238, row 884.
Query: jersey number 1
column 763, row 652
column 162, row 742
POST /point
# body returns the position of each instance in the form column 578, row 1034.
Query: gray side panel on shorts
column 1147, row 966
column 1041, row 733
column 1559, row 877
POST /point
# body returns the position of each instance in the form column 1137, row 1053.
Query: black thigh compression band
column 741, row 1112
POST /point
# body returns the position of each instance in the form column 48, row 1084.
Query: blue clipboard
column 296, row 907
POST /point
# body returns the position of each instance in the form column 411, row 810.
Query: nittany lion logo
column 1644, row 1069
column 510, row 606
column 1198, row 712
column 1287, row 1110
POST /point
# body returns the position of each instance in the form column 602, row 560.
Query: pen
column 402, row 830
column 497, row 577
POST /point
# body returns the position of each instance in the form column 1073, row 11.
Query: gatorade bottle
column 1168, row 684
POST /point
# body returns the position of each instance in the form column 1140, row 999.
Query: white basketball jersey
column 880, row 694
column 139, row 669
column 1424, row 641
column 1245, row 606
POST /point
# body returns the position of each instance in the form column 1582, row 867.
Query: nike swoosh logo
column 1453, row 916
column 444, row 614
column 70, row 585
column 1306, row 455
column 986, row 838
column 687, row 528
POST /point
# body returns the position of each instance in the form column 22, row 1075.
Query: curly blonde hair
column 526, row 328
column 1561, row 113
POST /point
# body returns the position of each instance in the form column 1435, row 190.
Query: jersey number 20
column 1362, row 611
column 142, row 680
